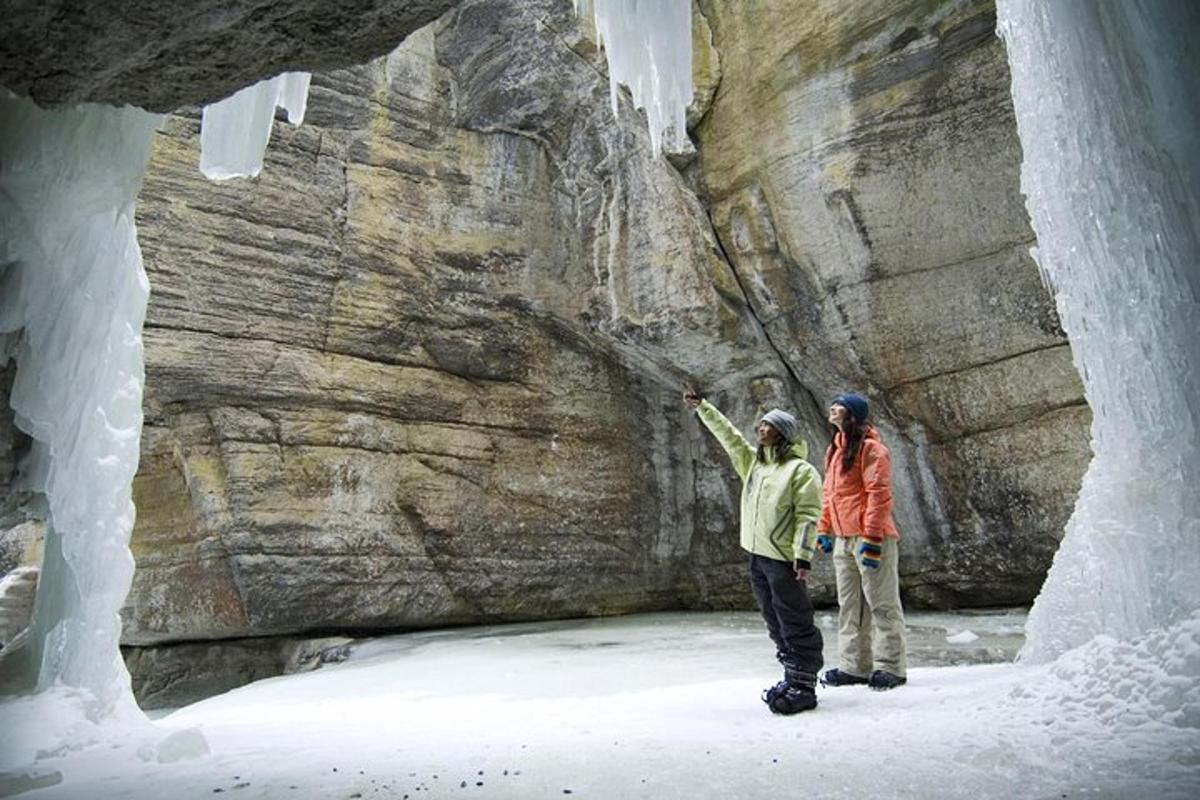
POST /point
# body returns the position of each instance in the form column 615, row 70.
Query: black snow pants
column 788, row 612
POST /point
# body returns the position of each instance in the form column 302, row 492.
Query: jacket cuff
column 804, row 563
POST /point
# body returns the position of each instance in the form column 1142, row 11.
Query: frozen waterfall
column 1105, row 99
column 72, row 299
column 648, row 45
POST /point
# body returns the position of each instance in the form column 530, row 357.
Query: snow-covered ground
column 655, row 706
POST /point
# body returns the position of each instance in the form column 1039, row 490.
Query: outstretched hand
column 690, row 398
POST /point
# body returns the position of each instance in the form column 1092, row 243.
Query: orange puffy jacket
column 858, row 501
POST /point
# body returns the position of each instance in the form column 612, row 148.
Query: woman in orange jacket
column 856, row 524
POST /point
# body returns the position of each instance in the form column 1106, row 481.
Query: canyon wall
column 862, row 163
column 424, row 369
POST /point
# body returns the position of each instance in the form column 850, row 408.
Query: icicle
column 234, row 132
column 648, row 45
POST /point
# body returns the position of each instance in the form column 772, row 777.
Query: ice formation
column 234, row 132
column 648, row 45
column 1105, row 102
column 72, row 299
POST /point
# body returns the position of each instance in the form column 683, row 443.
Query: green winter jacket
column 781, row 501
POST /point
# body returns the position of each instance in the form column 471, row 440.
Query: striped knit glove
column 870, row 551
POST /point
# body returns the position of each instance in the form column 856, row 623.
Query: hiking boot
column 793, row 700
column 769, row 695
column 882, row 681
column 835, row 677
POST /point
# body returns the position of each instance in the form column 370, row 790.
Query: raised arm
column 740, row 451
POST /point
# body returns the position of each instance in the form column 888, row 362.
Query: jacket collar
column 869, row 432
column 797, row 449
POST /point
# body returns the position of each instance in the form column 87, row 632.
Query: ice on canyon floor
column 234, row 132
column 654, row 706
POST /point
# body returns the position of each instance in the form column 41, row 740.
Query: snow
column 655, row 706
column 234, row 132
column 648, row 46
column 962, row 637
column 1104, row 95
column 72, row 299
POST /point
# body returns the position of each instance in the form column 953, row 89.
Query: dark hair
column 782, row 451
column 855, row 431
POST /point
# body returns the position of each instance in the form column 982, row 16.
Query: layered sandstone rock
column 424, row 370
column 862, row 165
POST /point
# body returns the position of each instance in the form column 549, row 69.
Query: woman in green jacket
column 781, row 501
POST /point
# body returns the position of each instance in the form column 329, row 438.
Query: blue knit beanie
column 856, row 404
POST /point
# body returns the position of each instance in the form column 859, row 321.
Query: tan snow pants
column 870, row 619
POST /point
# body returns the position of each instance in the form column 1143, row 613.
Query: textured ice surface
column 234, row 132
column 1105, row 97
column 659, row 706
column 72, row 299
column 648, row 45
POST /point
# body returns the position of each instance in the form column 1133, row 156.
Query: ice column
column 648, row 45
column 234, row 132
column 1104, row 92
column 72, row 300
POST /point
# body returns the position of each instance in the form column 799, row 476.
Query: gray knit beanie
column 781, row 421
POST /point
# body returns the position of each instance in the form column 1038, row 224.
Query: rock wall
column 163, row 54
column 862, row 163
column 424, row 370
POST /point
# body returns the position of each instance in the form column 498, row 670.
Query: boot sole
column 779, row 713
column 845, row 682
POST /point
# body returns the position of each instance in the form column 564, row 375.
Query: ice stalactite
column 1104, row 94
column 72, row 299
column 648, row 46
column 234, row 132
